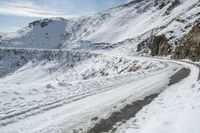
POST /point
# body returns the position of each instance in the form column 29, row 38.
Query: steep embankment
column 189, row 46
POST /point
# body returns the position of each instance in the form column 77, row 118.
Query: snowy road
column 174, row 110
column 75, row 112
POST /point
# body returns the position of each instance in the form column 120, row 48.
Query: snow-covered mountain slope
column 137, row 20
column 39, row 34
column 65, row 75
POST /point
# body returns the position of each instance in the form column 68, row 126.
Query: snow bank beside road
column 175, row 110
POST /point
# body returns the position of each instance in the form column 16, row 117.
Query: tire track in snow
column 130, row 110
column 38, row 109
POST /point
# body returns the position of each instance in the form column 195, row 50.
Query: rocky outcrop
column 161, row 3
column 42, row 23
column 157, row 44
column 174, row 4
column 189, row 46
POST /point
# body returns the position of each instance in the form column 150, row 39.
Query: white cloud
column 28, row 8
column 9, row 29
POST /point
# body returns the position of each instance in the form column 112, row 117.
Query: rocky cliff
column 189, row 45
column 157, row 44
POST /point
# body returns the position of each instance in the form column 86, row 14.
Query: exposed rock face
column 174, row 4
column 189, row 46
column 161, row 3
column 42, row 23
column 157, row 44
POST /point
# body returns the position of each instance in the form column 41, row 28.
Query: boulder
column 157, row 44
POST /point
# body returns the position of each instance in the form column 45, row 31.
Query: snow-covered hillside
column 39, row 34
column 137, row 20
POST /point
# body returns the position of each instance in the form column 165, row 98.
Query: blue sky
column 15, row 14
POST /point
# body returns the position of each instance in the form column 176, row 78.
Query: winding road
column 92, row 112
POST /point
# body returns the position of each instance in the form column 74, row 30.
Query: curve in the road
column 129, row 111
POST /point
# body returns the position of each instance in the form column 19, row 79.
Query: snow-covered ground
column 176, row 110
column 44, row 96
column 57, row 95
